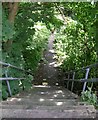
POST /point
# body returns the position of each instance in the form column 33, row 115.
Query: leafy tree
column 25, row 37
column 26, row 27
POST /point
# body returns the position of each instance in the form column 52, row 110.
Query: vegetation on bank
column 27, row 26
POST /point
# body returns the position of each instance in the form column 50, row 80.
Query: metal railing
column 72, row 74
column 7, row 78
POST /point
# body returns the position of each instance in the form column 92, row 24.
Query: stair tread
column 54, row 102
column 76, row 112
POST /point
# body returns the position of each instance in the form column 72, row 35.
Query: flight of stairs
column 46, row 102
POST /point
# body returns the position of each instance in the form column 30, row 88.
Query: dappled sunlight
column 44, row 45
column 55, row 95
column 20, row 83
column 14, row 99
column 59, row 103
column 42, row 93
column 63, row 95
column 19, row 99
column 41, row 99
column 51, row 51
column 57, row 84
column 59, row 91
column 53, row 63
column 36, row 86
column 44, row 83
column 51, row 99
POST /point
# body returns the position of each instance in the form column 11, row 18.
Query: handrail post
column 8, row 84
column 68, row 80
column 86, row 77
column 73, row 81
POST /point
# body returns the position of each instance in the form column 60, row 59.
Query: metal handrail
column 10, row 78
column 12, row 66
column 7, row 79
column 85, row 80
column 83, row 68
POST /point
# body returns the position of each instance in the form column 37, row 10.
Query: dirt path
column 48, row 71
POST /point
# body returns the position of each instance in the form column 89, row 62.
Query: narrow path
column 47, row 99
column 48, row 71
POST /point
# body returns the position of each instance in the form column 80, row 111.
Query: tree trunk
column 13, row 8
column 12, row 11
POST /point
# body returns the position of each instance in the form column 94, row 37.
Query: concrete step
column 55, row 96
column 47, row 93
column 51, row 112
column 46, row 102
column 31, row 106
column 40, row 101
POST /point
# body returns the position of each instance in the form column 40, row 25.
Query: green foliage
column 74, row 47
column 87, row 15
column 29, row 39
column 27, row 83
column 7, row 28
column 89, row 96
column 34, row 49
column 4, row 92
column 75, row 41
column 14, row 87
